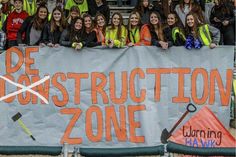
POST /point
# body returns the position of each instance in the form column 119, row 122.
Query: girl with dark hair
column 186, row 6
column 159, row 37
column 116, row 33
column 198, row 34
column 53, row 30
column 75, row 36
column 100, row 28
column 176, row 29
column 33, row 27
column 143, row 7
column 91, row 38
column 74, row 12
column 138, row 35
column 222, row 17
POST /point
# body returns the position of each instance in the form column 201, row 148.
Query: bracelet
column 74, row 44
column 81, row 45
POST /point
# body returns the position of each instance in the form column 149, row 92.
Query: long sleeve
column 64, row 40
column 122, row 41
column 231, row 15
column 46, row 32
column 92, row 40
column 14, row 22
column 154, row 39
column 179, row 40
column 9, row 23
column 145, row 37
column 215, row 34
column 167, row 36
column 107, row 14
column 111, row 34
column 23, row 29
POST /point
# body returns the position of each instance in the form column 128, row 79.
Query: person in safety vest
column 198, row 34
column 160, row 38
column 2, row 16
column 100, row 28
column 116, row 34
column 14, row 21
column 81, row 4
column 177, row 32
column 138, row 35
column 30, row 6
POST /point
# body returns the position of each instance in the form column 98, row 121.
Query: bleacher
column 125, row 9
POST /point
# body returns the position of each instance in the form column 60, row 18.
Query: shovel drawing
column 165, row 134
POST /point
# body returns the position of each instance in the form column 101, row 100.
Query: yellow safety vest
column 49, row 16
column 176, row 30
column 111, row 34
column 30, row 8
column 205, row 35
column 82, row 7
column 134, row 35
column 3, row 18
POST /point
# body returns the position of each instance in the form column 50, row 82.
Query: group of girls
column 83, row 31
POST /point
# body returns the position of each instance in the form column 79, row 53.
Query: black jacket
column 167, row 37
column 103, row 9
column 51, row 37
column 25, row 28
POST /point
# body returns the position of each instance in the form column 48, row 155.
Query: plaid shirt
column 2, row 40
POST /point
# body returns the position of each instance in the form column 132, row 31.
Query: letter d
column 16, row 67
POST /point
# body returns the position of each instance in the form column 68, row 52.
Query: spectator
column 53, row 30
column 177, row 33
column 3, row 18
column 138, row 35
column 198, row 34
column 99, row 6
column 222, row 17
column 158, row 7
column 33, row 27
column 159, row 37
column 75, row 36
column 91, row 38
column 14, row 22
column 185, row 6
column 74, row 12
column 30, row 6
column 143, row 8
column 100, row 28
column 81, row 4
column 116, row 33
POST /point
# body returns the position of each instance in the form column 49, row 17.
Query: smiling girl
column 33, row 27
column 100, row 28
column 90, row 33
column 198, row 34
column 53, row 30
column 174, row 26
column 159, row 37
column 116, row 33
column 75, row 36
column 138, row 35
